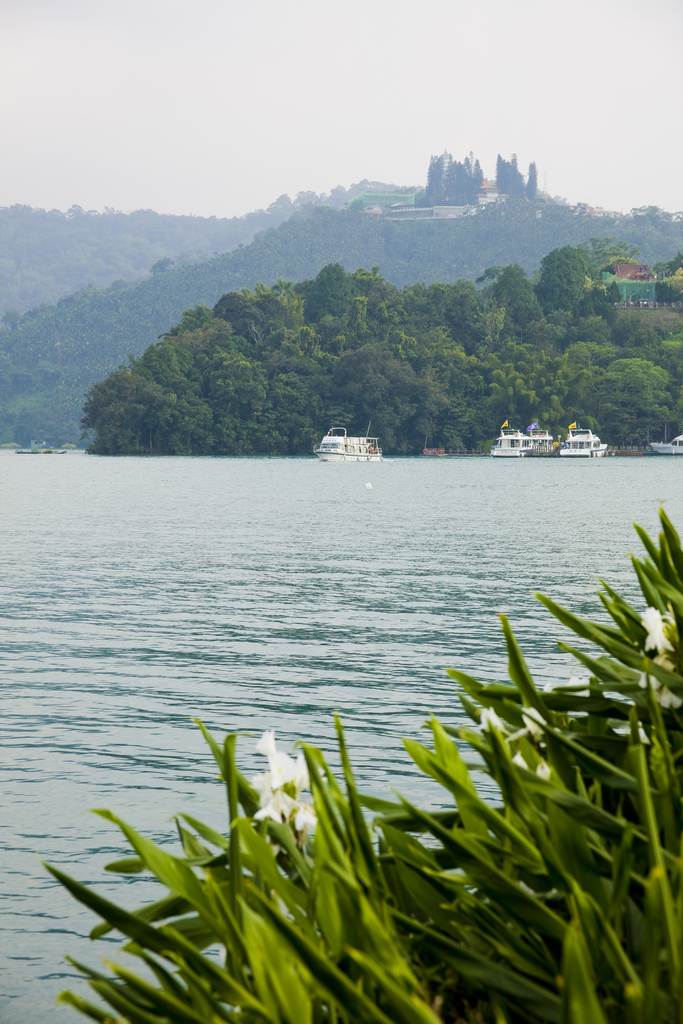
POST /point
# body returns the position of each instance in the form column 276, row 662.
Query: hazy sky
column 219, row 106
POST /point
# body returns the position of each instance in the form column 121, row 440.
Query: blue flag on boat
column 532, row 426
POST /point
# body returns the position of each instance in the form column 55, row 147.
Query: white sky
column 219, row 106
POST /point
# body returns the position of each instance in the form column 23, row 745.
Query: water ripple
column 253, row 593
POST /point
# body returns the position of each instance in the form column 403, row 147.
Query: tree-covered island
column 267, row 371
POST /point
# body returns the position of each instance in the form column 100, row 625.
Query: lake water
column 138, row 594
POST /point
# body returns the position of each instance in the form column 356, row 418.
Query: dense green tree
column 603, row 253
column 245, row 316
column 633, row 395
column 532, row 182
column 329, row 294
column 562, row 281
column 675, row 264
column 121, row 409
column 525, row 386
column 513, row 290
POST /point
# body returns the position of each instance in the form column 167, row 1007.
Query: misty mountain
column 47, row 254
column 50, row 356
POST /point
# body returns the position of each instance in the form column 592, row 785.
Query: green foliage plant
column 559, row 902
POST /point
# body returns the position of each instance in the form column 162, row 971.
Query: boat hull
column 665, row 449
column 342, row 457
column 579, row 453
column 510, row 453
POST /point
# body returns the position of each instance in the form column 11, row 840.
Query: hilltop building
column 633, row 272
column 384, row 199
column 400, row 212
column 488, row 193
column 635, row 282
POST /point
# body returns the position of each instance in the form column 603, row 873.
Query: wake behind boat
column 337, row 447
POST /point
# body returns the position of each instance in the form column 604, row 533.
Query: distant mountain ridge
column 50, row 356
column 47, row 254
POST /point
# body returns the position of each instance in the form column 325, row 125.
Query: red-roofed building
column 489, row 194
column 633, row 272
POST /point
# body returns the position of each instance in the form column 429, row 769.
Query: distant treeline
column 46, row 254
column 268, row 371
column 51, row 355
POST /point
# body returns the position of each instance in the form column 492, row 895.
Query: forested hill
column 47, row 254
column 268, row 371
column 49, row 357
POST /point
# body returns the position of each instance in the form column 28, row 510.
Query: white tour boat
column 337, row 447
column 582, row 443
column 674, row 447
column 514, row 444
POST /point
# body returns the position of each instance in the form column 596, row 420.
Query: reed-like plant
column 560, row 902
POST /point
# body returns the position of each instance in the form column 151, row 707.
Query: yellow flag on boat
column 504, row 424
column 572, row 426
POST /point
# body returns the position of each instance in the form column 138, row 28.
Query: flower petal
column 266, row 745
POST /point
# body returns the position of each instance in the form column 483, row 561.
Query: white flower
column 665, row 662
column 642, row 734
column 266, row 745
column 490, row 720
column 301, row 780
column 305, row 818
column 656, row 639
column 279, row 807
column 279, row 788
column 543, row 770
column 518, row 759
column 261, row 782
column 666, row 698
column 532, row 727
column 282, row 768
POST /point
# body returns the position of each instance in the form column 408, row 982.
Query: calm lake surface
column 138, row 594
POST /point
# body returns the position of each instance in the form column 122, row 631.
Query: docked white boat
column 336, row 446
column 513, row 444
column 582, row 443
column 674, row 447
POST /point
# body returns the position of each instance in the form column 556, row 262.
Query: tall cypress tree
column 477, row 180
column 462, row 185
column 450, row 183
column 502, row 174
column 446, row 172
column 532, row 182
column 435, row 181
column 515, row 187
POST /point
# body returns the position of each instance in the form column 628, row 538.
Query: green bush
column 562, row 903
